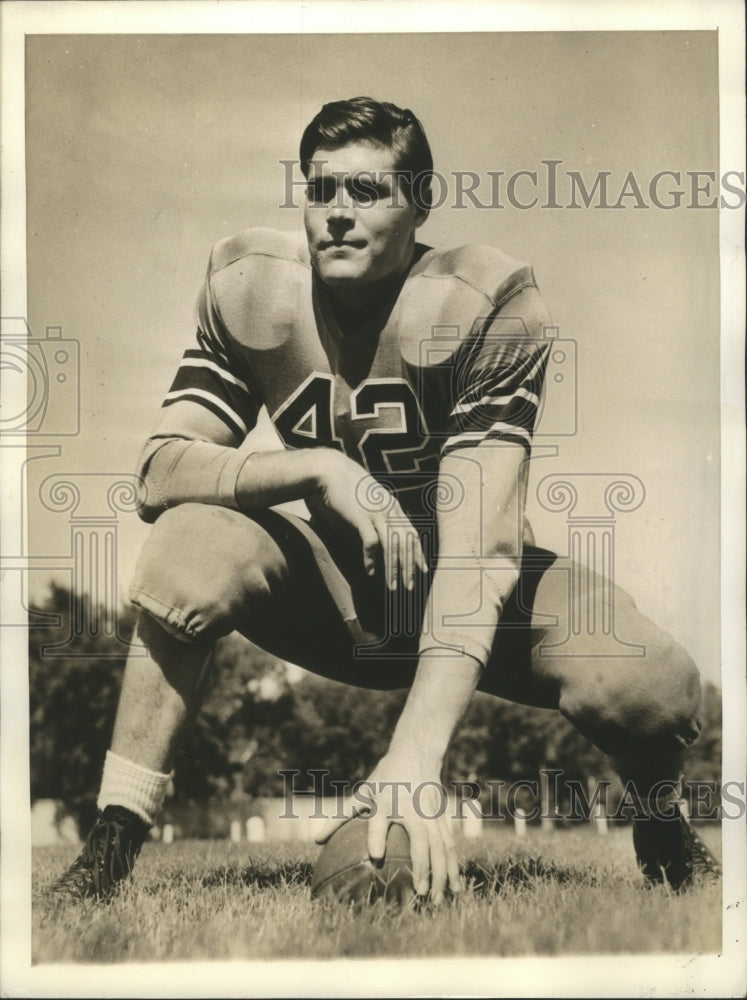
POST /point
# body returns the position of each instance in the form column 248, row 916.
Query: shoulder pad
column 485, row 268
column 256, row 281
column 266, row 242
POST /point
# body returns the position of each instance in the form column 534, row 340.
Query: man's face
column 359, row 224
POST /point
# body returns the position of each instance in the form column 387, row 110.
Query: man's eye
column 365, row 190
column 321, row 191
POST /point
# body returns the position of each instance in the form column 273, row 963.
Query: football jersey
column 458, row 360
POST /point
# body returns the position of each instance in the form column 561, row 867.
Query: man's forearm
column 439, row 697
column 178, row 471
column 271, row 477
column 461, row 617
column 465, row 603
column 478, row 567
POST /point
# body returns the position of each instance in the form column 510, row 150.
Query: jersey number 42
column 387, row 426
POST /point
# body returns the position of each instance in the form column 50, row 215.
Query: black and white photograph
column 372, row 437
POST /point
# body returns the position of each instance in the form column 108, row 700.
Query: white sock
column 137, row 788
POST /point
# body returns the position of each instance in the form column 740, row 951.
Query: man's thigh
column 305, row 598
column 330, row 616
column 566, row 629
column 206, row 571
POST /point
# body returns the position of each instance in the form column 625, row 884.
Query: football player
column 405, row 383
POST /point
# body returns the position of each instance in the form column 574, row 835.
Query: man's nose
column 342, row 206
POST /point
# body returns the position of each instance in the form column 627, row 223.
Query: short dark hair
column 363, row 118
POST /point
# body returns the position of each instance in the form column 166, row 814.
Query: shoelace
column 107, row 855
column 101, row 861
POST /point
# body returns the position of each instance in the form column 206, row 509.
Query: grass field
column 565, row 893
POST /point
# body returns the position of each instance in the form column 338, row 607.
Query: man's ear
column 421, row 214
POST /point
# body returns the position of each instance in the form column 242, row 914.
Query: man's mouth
column 337, row 244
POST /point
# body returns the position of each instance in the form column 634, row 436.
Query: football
column 344, row 871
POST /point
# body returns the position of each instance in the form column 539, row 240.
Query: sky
column 143, row 151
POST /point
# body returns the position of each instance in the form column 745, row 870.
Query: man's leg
column 160, row 697
column 204, row 572
column 570, row 640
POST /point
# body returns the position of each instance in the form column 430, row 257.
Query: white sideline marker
column 255, row 829
column 520, row 822
column 600, row 820
column 471, row 822
column 598, row 817
column 546, row 819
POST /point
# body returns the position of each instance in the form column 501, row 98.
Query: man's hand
column 405, row 785
column 406, row 790
column 349, row 494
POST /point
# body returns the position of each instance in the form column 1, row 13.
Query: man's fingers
column 413, row 545
column 408, row 551
column 420, row 863
column 409, row 544
column 401, row 549
column 394, row 545
column 370, row 540
column 378, row 828
column 392, row 558
column 378, row 526
column 454, row 879
column 415, row 557
column 417, row 551
column 439, row 872
column 452, row 868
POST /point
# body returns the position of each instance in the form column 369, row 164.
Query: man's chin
column 342, row 277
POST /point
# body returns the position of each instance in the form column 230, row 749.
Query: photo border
column 535, row 976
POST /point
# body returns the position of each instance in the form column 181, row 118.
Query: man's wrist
column 425, row 753
column 325, row 466
column 439, row 696
column 270, row 477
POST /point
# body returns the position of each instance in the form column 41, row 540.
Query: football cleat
column 106, row 859
column 670, row 851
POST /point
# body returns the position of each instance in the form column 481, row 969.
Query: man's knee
column 200, row 568
column 629, row 702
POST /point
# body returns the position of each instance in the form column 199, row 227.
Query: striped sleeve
column 211, row 375
column 497, row 390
